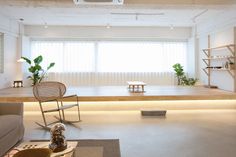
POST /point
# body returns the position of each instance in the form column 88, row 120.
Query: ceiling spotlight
column 21, row 19
column 108, row 26
column 45, row 25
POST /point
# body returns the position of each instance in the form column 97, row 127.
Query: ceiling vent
column 99, row 2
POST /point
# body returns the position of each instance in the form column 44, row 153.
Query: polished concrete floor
column 205, row 133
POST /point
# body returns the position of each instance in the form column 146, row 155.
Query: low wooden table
column 134, row 86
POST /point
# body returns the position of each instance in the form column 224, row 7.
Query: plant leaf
column 50, row 65
column 26, row 59
column 38, row 60
column 31, row 69
column 37, row 67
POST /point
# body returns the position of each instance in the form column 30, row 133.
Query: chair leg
column 78, row 108
column 44, row 119
column 44, row 127
column 63, row 113
column 59, row 112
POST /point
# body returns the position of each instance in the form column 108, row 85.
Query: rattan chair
column 46, row 92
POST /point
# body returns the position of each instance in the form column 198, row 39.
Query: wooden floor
column 121, row 93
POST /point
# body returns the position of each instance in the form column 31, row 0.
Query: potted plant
column 179, row 72
column 38, row 73
column 182, row 78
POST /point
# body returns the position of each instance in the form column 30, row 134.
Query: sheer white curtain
column 69, row 56
column 140, row 56
column 111, row 62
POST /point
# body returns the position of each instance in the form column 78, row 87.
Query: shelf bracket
column 231, row 50
column 205, row 62
column 205, row 52
column 206, row 72
column 230, row 73
column 229, row 59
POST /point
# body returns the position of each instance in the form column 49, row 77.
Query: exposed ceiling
column 142, row 13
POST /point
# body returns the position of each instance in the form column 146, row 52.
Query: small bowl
column 34, row 152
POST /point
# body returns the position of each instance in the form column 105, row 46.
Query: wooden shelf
column 216, row 58
column 219, row 47
column 220, row 69
column 230, row 71
column 210, row 56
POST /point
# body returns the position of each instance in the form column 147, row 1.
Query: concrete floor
column 205, row 133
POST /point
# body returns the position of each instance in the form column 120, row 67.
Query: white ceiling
column 176, row 15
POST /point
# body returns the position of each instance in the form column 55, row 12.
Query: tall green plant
column 38, row 73
column 179, row 72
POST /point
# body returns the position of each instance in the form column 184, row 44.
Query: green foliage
column 188, row 81
column 182, row 78
column 38, row 73
column 179, row 72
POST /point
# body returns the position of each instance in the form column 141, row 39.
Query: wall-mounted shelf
column 209, row 57
column 229, row 46
column 230, row 71
column 215, row 58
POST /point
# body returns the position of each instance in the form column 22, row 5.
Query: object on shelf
column 18, row 83
column 215, row 67
column 226, row 65
column 231, row 66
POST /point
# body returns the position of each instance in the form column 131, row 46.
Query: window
column 140, row 56
column 1, row 53
column 68, row 56
column 110, row 56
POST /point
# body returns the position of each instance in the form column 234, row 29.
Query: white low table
column 134, row 86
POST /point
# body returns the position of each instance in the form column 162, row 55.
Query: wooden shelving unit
column 209, row 58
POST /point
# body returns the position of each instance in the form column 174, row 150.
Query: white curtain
column 140, row 56
column 111, row 62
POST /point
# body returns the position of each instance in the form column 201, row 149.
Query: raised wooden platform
column 121, row 93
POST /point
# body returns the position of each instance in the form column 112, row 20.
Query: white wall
column 11, row 69
column 221, row 31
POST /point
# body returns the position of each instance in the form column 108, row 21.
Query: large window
column 68, row 56
column 111, row 56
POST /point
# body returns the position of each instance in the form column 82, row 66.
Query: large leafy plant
column 179, row 72
column 181, row 77
column 38, row 73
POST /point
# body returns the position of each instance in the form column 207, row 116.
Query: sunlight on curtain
column 68, row 56
column 110, row 62
column 140, row 56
